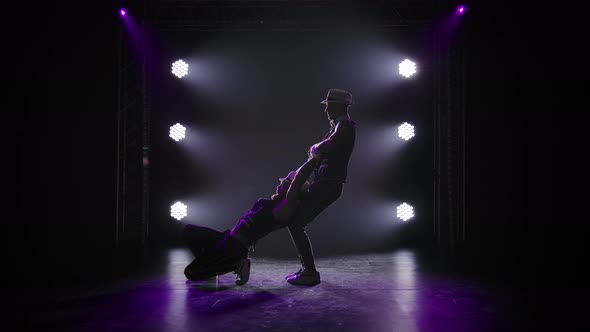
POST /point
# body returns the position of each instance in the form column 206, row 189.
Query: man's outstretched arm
column 302, row 174
column 284, row 210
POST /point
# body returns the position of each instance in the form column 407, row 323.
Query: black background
column 62, row 60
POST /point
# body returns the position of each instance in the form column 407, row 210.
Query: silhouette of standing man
column 329, row 177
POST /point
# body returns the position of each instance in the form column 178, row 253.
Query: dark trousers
column 216, row 253
column 321, row 195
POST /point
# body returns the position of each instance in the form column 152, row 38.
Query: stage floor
column 397, row 291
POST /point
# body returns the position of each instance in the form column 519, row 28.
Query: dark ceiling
column 171, row 14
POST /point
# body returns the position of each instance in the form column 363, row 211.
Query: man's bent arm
column 302, row 174
column 284, row 210
column 331, row 142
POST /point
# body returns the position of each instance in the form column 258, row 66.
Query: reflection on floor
column 372, row 292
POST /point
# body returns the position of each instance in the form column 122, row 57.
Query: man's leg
column 213, row 266
column 321, row 195
column 216, row 254
column 303, row 246
column 201, row 240
column 304, row 251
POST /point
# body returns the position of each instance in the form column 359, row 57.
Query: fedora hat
column 338, row 96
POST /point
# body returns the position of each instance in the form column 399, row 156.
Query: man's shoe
column 243, row 272
column 305, row 278
column 294, row 274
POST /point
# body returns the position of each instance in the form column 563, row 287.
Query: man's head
column 337, row 102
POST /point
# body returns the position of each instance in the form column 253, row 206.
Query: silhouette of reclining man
column 218, row 253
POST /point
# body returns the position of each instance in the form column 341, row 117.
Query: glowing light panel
column 178, row 210
column 405, row 211
column 180, row 68
column 407, row 68
column 177, row 132
column 405, row 131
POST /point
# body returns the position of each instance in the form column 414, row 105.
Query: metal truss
column 131, row 224
column 286, row 14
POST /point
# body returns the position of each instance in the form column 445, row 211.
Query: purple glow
column 461, row 9
column 123, row 12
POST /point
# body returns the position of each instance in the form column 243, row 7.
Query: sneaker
column 305, row 278
column 243, row 272
column 294, row 274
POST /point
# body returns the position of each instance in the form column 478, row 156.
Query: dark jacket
column 256, row 223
